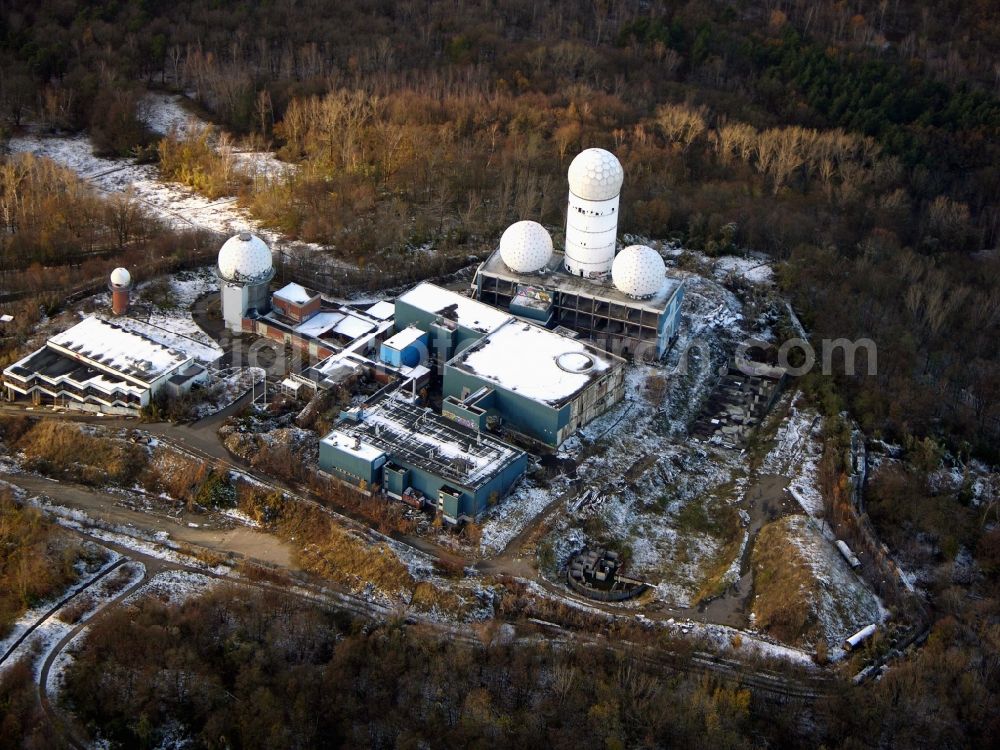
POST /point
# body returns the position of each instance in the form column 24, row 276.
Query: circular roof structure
column 121, row 277
column 575, row 362
column 245, row 258
column 638, row 271
column 596, row 175
column 525, row 247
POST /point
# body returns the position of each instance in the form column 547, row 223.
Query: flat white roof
column 347, row 443
column 534, row 362
column 319, row 324
column 295, row 293
column 106, row 345
column 382, row 310
column 342, row 323
column 352, row 327
column 454, row 306
column 404, row 338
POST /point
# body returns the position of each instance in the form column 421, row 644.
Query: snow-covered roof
column 294, row 293
column 106, row 345
column 382, row 310
column 348, row 444
column 454, row 306
column 416, row 436
column 341, row 323
column 319, row 324
column 535, row 362
column 404, row 338
column 352, row 327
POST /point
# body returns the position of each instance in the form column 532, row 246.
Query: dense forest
column 855, row 142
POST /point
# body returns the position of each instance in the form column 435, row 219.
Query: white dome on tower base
column 638, row 271
column 525, row 247
column 120, row 277
column 246, row 259
column 596, row 175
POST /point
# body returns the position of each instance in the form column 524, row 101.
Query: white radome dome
column 596, row 175
column 525, row 247
column 121, row 277
column 638, row 271
column 245, row 257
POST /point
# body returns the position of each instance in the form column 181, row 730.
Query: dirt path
column 63, row 723
column 106, row 507
column 59, row 605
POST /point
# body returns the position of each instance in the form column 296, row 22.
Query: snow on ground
column 509, row 517
column 171, row 203
column 159, row 545
column 724, row 638
column 238, row 515
column 164, row 113
column 168, row 322
column 227, row 388
column 188, row 286
column 711, row 326
column 105, row 591
column 645, row 470
column 174, row 587
column 841, row 602
column 754, row 270
column 31, row 616
column 797, row 454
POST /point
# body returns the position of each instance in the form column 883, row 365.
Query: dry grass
column 783, row 587
column 65, row 451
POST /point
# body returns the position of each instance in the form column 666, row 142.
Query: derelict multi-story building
column 99, row 366
column 624, row 303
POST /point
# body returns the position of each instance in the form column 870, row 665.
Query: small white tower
column 595, row 183
column 638, row 271
column 244, row 270
column 525, row 247
column 120, row 285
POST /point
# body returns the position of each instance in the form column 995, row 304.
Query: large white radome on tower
column 525, row 247
column 595, row 182
column 596, row 175
column 245, row 258
column 638, row 271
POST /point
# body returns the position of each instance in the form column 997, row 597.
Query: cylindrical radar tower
column 595, row 183
column 244, row 270
column 120, row 285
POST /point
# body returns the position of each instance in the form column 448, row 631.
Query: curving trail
column 61, row 723
column 59, row 605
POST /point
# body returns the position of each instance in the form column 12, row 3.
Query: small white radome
column 244, row 257
column 638, row 271
column 596, row 175
column 121, row 277
column 525, row 246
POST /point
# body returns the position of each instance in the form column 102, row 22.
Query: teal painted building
column 453, row 321
column 533, row 382
column 395, row 445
